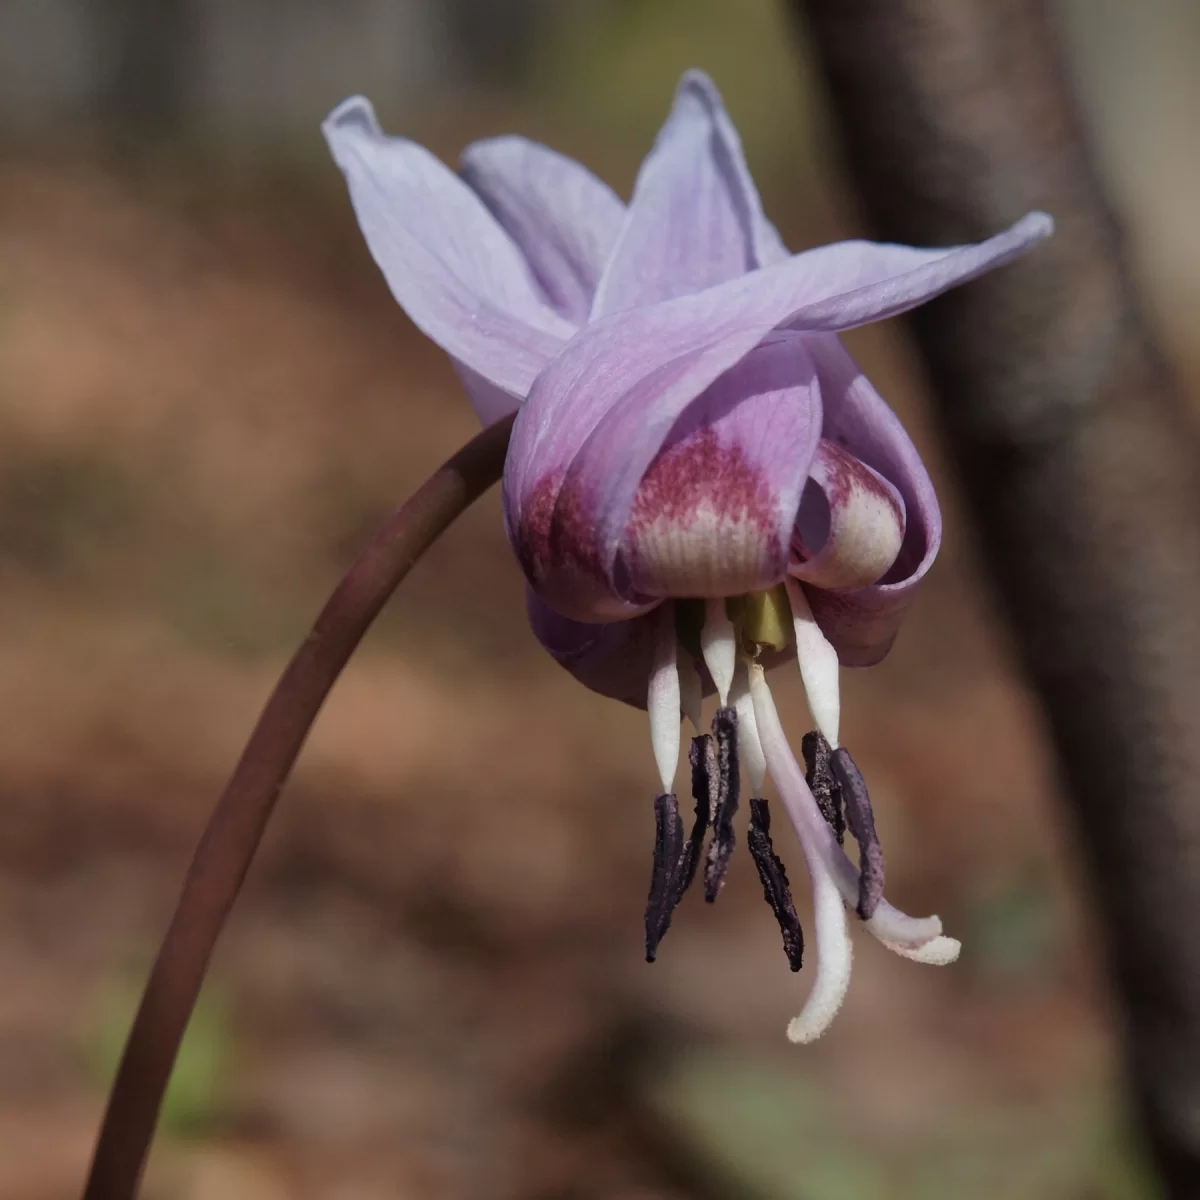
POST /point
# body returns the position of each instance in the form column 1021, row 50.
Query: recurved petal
column 675, row 495
column 456, row 273
column 896, row 929
column 862, row 622
column 613, row 659
column 690, row 340
column 854, row 283
column 713, row 514
column 563, row 218
column 696, row 218
column 489, row 401
column 645, row 366
column 851, row 522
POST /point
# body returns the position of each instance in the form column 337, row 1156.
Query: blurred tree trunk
column 494, row 36
column 1079, row 462
column 146, row 59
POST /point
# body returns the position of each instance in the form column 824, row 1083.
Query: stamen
column 919, row 938
column 822, row 783
column 818, row 665
column 668, row 849
column 691, row 692
column 862, row 825
column 720, row 850
column 776, row 890
column 662, row 699
column 754, row 765
column 718, row 644
column 821, row 853
column 706, row 792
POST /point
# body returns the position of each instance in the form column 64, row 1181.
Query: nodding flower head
column 701, row 481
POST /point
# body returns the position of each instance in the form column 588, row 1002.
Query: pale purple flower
column 700, row 479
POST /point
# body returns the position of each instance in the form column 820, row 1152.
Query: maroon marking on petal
column 701, row 473
column 537, row 518
column 701, row 469
column 557, row 534
column 573, row 541
column 845, row 473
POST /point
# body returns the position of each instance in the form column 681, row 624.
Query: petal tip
column 694, row 79
column 940, row 951
column 1035, row 225
column 355, row 114
column 486, row 148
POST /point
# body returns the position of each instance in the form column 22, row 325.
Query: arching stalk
column 236, row 826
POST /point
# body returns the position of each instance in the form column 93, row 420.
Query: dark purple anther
column 775, row 882
column 821, row 782
column 706, row 785
column 862, row 824
column 664, row 881
column 728, row 793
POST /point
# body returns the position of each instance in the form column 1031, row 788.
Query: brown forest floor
column 434, row 985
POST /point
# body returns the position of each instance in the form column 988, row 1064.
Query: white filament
column 818, row 665
column 834, row 952
column 718, row 644
column 662, row 699
column 750, row 751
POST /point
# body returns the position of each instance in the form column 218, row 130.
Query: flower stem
column 236, row 826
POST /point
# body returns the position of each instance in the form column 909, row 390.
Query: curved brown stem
column 237, row 823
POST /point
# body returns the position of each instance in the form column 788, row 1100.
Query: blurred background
column 433, row 985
